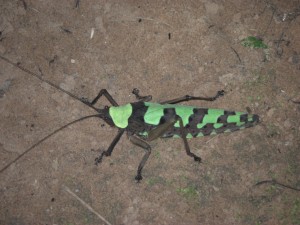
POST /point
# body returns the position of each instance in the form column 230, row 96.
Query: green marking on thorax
column 120, row 115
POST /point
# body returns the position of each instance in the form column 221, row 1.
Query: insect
column 144, row 121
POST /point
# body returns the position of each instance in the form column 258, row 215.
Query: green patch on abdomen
column 184, row 112
column 156, row 111
column 212, row 116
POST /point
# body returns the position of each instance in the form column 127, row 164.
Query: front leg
column 101, row 92
column 163, row 128
column 111, row 147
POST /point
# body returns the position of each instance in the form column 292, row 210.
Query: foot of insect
column 220, row 94
column 138, row 177
column 197, row 159
column 146, row 98
column 98, row 160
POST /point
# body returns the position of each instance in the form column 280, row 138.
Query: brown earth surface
column 166, row 49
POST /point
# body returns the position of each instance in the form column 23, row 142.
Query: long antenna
column 45, row 138
column 48, row 82
column 57, row 130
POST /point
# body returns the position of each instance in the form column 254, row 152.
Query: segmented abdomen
column 197, row 122
column 203, row 122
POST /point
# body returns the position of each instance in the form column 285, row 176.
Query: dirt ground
column 166, row 49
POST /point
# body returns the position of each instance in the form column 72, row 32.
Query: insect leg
column 111, row 147
column 186, row 145
column 106, row 94
column 161, row 129
column 147, row 148
column 146, row 98
column 188, row 98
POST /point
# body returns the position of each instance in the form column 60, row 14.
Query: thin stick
column 142, row 18
column 236, row 54
column 47, row 81
column 157, row 21
column 211, row 139
column 85, row 204
column 274, row 182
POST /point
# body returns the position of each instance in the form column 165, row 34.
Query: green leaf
column 253, row 42
column 188, row 192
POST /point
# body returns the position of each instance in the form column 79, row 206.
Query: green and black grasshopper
column 144, row 121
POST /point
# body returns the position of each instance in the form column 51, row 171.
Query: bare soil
column 166, row 49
